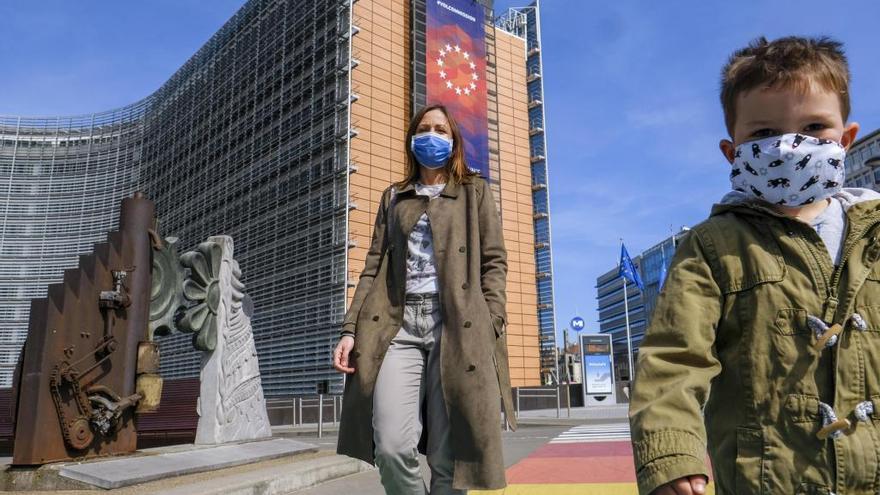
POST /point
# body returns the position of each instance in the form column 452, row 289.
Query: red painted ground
column 599, row 465
column 596, row 462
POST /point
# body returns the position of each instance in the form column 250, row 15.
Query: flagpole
column 629, row 354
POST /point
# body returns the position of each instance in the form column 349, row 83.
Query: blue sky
column 633, row 118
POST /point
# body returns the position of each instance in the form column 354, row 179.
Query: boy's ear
column 849, row 134
column 728, row 149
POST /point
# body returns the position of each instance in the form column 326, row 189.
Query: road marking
column 594, row 433
column 570, row 489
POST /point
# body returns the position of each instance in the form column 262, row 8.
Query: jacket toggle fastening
column 826, row 336
column 833, row 427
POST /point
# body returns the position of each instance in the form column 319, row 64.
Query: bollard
column 334, row 410
column 320, row 415
column 568, row 399
column 516, row 411
column 557, row 399
column 299, row 414
column 293, row 411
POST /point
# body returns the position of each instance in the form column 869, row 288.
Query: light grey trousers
column 410, row 376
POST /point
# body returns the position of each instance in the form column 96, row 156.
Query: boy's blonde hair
column 790, row 62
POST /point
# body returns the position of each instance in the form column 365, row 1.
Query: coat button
column 471, row 368
column 375, row 317
column 465, row 285
column 467, row 324
column 462, row 249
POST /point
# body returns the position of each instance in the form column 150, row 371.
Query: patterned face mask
column 790, row 170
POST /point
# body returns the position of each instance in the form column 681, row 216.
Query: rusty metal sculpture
column 88, row 364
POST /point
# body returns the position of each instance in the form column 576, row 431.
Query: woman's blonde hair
column 456, row 167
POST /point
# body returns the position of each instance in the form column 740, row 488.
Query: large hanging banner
column 456, row 72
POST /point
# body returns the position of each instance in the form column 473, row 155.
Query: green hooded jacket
column 764, row 353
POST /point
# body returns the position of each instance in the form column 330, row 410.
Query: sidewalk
column 612, row 413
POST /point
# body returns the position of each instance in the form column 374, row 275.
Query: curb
column 274, row 480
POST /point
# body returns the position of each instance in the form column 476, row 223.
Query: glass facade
column 526, row 22
column 61, row 183
column 256, row 127
column 250, row 139
column 612, row 314
column 863, row 162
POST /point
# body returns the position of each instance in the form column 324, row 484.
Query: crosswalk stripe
column 591, row 433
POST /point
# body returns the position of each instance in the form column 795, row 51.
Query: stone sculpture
column 231, row 403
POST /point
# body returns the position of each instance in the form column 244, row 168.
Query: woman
column 423, row 342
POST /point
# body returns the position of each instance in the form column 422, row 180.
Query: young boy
column 773, row 303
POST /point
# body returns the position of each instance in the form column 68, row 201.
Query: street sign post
column 598, row 369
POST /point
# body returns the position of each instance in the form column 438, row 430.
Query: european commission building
column 281, row 131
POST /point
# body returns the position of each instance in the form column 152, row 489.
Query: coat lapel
column 409, row 208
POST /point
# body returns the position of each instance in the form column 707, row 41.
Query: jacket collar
column 859, row 214
column 450, row 191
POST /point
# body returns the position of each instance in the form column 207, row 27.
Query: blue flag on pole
column 628, row 270
column 663, row 271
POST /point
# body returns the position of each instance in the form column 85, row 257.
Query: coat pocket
column 749, row 461
column 792, row 358
column 792, row 321
column 747, row 260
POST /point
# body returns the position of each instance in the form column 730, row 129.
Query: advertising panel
column 597, row 375
column 598, row 368
column 456, row 72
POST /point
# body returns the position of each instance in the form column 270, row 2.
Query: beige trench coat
column 472, row 268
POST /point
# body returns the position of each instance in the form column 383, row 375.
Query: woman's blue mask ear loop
column 431, row 150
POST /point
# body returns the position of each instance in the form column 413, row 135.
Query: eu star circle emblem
column 454, row 55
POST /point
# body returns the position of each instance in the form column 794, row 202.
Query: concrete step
column 281, row 475
column 281, row 478
column 156, row 464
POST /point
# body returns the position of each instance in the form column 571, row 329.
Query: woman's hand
column 340, row 354
column 688, row 485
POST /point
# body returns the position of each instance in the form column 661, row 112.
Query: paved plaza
column 586, row 452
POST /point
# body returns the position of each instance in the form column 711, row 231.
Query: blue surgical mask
column 431, row 149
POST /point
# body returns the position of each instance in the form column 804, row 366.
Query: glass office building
column 526, row 22
column 863, row 162
column 271, row 133
column 62, row 182
column 249, row 138
column 610, row 290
